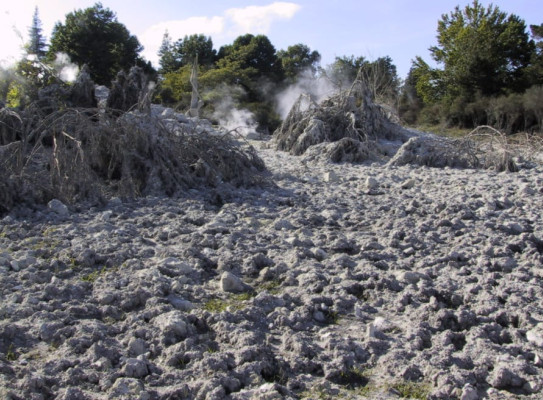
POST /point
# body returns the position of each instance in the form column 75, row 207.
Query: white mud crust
column 338, row 281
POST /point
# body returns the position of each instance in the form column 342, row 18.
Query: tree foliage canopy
column 36, row 44
column 189, row 47
column 95, row 37
column 167, row 59
column 482, row 50
column 298, row 58
column 488, row 72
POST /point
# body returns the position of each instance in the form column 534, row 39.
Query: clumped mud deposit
column 368, row 281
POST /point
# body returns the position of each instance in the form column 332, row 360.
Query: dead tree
column 82, row 92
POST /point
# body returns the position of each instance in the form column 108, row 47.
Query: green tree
column 428, row 81
column 255, row 55
column 482, row 50
column 410, row 101
column 186, row 49
column 167, row 59
column 36, row 45
column 343, row 71
column 536, row 68
column 95, row 37
column 297, row 59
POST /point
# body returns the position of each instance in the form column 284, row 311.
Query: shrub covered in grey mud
column 86, row 154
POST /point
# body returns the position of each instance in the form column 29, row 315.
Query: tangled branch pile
column 484, row 147
column 350, row 127
column 85, row 154
column 348, row 115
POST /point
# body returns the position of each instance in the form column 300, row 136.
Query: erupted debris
column 194, row 110
column 129, row 92
column 350, row 127
column 82, row 92
column 340, row 282
column 10, row 126
column 76, row 156
column 344, row 150
column 351, row 114
column 483, row 148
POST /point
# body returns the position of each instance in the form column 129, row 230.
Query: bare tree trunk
column 195, row 97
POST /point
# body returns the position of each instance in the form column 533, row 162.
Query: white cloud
column 233, row 22
column 258, row 19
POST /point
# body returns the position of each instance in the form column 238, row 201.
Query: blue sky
column 401, row 29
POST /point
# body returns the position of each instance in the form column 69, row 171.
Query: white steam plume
column 318, row 88
column 66, row 70
column 231, row 118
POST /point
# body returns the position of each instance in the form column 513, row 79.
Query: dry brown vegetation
column 87, row 154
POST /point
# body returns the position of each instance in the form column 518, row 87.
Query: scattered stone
column 137, row 347
column 535, row 335
column 504, row 378
column 135, row 368
column 58, row 207
column 433, row 285
column 128, row 388
column 330, row 177
column 232, row 284
column 469, row 393
column 408, row 184
column 371, row 183
column 15, row 265
column 173, row 326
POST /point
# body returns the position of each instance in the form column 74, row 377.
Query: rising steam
column 318, row 88
column 241, row 121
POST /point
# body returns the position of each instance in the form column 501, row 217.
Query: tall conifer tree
column 36, row 44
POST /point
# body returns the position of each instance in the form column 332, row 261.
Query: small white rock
column 408, row 184
column 137, row 347
column 58, row 207
column 15, row 265
column 536, row 335
column 172, row 324
column 231, row 283
column 134, row 368
column 330, row 177
column 319, row 316
column 409, row 276
column 105, row 216
column 469, row 393
column 371, row 183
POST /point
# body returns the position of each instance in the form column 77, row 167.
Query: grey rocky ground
column 341, row 281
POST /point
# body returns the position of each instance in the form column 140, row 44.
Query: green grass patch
column 91, row 277
column 412, row 390
column 234, row 302
column 273, row 287
column 215, row 305
column 443, row 130
column 11, row 355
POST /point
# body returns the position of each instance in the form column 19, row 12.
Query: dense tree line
column 489, row 69
column 490, row 72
